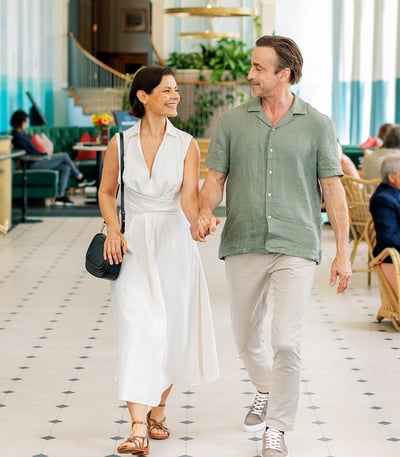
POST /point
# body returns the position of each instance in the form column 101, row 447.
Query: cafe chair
column 390, row 302
column 358, row 193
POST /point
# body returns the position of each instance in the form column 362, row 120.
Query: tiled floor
column 57, row 353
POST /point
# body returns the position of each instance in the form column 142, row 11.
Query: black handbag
column 95, row 263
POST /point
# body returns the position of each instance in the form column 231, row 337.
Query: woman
column 163, row 314
column 61, row 161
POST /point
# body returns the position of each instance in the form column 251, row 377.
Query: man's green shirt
column 273, row 195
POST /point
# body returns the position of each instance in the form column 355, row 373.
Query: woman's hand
column 114, row 247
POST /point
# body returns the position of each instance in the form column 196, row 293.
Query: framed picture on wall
column 134, row 20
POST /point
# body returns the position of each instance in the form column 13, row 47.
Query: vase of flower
column 104, row 135
column 102, row 122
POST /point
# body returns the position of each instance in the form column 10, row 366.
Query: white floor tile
column 58, row 396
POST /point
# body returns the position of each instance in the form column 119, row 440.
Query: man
column 385, row 210
column 275, row 152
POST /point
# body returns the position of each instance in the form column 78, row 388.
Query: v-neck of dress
column 148, row 169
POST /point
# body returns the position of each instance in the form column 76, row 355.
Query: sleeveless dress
column 163, row 313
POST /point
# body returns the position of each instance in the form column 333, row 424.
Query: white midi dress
column 163, row 313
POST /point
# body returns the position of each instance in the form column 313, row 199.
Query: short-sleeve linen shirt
column 273, row 194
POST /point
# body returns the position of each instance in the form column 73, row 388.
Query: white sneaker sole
column 254, row 428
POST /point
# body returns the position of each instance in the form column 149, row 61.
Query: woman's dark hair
column 289, row 54
column 18, row 118
column 145, row 79
column 392, row 138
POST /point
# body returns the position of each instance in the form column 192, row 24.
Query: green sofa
column 43, row 184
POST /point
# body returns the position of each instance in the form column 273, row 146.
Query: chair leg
column 396, row 324
column 354, row 250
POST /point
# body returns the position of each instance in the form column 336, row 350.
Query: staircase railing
column 88, row 71
column 95, row 85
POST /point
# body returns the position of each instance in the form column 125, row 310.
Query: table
column 99, row 148
column 6, row 155
column 25, row 159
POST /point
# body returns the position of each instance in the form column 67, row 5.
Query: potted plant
column 227, row 60
column 225, row 64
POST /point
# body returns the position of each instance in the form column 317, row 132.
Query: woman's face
column 164, row 99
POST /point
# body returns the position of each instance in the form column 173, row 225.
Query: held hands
column 341, row 267
column 205, row 224
column 114, row 247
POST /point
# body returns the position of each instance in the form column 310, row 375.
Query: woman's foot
column 155, row 422
column 138, row 442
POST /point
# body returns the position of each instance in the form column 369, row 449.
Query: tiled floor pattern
column 57, row 352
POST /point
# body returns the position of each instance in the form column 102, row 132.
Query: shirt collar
column 298, row 107
column 135, row 129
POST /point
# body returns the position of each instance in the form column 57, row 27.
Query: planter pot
column 192, row 76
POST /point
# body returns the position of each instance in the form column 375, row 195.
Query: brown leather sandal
column 135, row 445
column 157, row 430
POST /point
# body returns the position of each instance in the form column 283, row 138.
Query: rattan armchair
column 390, row 301
column 358, row 193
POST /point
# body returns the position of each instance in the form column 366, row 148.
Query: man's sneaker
column 64, row 201
column 85, row 182
column 255, row 418
column 274, row 444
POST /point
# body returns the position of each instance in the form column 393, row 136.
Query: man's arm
column 211, row 194
column 336, row 207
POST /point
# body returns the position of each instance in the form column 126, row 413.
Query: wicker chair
column 390, row 302
column 358, row 192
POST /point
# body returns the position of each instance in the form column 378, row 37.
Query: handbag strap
column 121, row 172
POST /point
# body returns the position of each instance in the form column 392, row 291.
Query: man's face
column 262, row 75
column 394, row 179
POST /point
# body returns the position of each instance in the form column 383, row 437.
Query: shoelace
column 259, row 404
column 273, row 439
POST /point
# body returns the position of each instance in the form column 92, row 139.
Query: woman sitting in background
column 385, row 211
column 371, row 165
column 61, row 161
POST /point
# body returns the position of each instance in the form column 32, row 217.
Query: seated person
column 385, row 211
column 383, row 129
column 371, row 165
column 60, row 161
column 347, row 164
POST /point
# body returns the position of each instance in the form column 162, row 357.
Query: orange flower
column 101, row 120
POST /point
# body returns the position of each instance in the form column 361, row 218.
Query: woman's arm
column 190, row 184
column 22, row 140
column 115, row 245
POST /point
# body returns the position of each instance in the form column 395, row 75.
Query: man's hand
column 205, row 224
column 341, row 268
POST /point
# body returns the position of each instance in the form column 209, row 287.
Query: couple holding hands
column 274, row 153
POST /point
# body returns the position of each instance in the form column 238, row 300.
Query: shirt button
column 270, row 150
column 269, row 217
column 270, row 172
column 269, row 194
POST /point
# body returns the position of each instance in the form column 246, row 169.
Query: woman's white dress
column 164, row 321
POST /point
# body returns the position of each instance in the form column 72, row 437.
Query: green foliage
column 207, row 100
column 125, row 95
column 185, row 60
column 228, row 59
